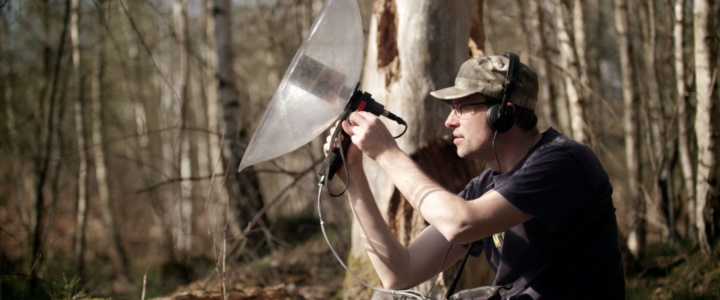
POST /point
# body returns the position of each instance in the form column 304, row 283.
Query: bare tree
column 685, row 135
column 23, row 194
column 119, row 256
column 568, row 64
column 559, row 101
column 706, row 116
column 636, row 238
column 47, row 137
column 658, row 152
column 182, row 214
column 540, row 61
column 82, row 178
column 242, row 187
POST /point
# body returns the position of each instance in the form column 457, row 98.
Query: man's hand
column 369, row 134
column 353, row 156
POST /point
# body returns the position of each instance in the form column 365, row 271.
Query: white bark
column 684, row 133
column 183, row 228
column 568, row 63
column 540, row 64
column 98, row 152
column 636, row 238
column 705, row 112
column 81, row 214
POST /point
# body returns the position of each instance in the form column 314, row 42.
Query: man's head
column 477, row 91
column 486, row 76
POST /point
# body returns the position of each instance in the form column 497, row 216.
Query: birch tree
column 568, row 64
column 685, row 135
column 658, row 152
column 636, row 238
column 182, row 214
column 540, row 61
column 82, row 178
column 706, row 120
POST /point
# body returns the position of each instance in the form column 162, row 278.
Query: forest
column 124, row 123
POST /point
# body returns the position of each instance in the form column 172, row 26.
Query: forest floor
column 309, row 271
column 302, row 266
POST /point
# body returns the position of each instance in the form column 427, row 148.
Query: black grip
column 334, row 158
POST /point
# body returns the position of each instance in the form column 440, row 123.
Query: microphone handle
column 334, row 158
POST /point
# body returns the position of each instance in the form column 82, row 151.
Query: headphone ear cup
column 499, row 123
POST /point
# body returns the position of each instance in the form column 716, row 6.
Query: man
column 542, row 212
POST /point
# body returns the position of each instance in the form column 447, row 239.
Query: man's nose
column 452, row 120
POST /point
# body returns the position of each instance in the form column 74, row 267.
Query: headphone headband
column 509, row 80
column 498, row 117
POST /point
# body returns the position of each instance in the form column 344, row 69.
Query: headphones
column 498, row 116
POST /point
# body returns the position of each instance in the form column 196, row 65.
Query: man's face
column 471, row 134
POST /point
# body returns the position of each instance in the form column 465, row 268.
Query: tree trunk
column 23, row 194
column 216, row 201
column 413, row 47
column 241, row 186
column 182, row 213
column 657, row 151
column 47, row 136
column 119, row 257
column 706, row 120
column 582, row 82
column 636, row 238
column 568, row 64
column 559, row 101
column 685, row 135
column 82, row 178
column 540, row 62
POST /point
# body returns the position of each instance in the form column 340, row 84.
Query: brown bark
column 245, row 198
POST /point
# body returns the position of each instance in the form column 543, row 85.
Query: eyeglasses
column 460, row 109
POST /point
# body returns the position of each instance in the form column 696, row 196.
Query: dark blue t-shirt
column 569, row 249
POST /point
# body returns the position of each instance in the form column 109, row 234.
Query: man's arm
column 397, row 267
column 458, row 220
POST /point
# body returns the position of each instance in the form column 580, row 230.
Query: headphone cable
column 495, row 152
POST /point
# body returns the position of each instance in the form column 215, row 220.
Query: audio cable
column 407, row 293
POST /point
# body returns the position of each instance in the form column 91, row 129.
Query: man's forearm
column 434, row 203
column 388, row 256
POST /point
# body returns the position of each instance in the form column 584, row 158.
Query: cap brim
column 451, row 93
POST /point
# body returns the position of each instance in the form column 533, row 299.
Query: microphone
column 360, row 101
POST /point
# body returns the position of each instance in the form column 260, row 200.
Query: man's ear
column 510, row 105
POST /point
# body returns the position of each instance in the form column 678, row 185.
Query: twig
column 224, row 279
column 174, row 180
column 256, row 218
column 142, row 296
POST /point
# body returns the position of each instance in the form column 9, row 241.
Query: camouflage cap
column 486, row 75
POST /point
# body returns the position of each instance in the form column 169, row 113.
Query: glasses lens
column 458, row 110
